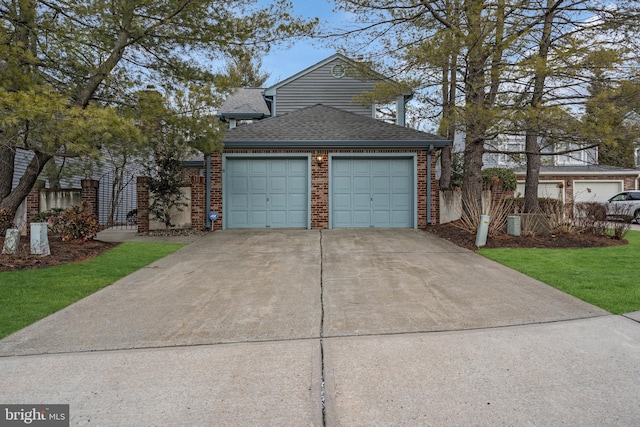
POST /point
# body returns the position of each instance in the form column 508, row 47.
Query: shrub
column 132, row 217
column 591, row 217
column 6, row 220
column 508, row 178
column 52, row 218
column 78, row 223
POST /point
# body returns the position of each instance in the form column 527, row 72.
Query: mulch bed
column 461, row 237
column 61, row 253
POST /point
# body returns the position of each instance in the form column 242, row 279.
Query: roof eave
column 270, row 145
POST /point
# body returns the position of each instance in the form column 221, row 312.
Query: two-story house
column 303, row 154
column 574, row 176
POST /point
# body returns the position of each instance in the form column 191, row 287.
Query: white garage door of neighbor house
column 266, row 193
column 545, row 189
column 372, row 192
column 595, row 191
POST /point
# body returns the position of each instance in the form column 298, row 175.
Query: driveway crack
column 322, row 389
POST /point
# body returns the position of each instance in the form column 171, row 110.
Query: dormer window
column 338, row 71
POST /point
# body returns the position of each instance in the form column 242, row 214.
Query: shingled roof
column 323, row 126
column 245, row 103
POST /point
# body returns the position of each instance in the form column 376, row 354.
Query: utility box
column 513, row 225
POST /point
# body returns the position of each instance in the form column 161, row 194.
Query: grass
column 607, row 277
column 30, row 295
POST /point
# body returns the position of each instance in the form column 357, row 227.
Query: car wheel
column 636, row 217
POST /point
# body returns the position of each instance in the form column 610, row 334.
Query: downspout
column 208, row 190
column 429, row 184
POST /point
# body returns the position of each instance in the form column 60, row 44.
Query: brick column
column 198, row 202
column 89, row 195
column 142, row 190
column 216, row 189
column 33, row 202
column 320, row 191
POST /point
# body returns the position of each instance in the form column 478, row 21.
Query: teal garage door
column 266, row 193
column 372, row 192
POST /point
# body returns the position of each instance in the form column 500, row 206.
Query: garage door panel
column 266, row 192
column 372, row 192
column 277, row 183
column 342, row 185
column 257, row 167
column 380, row 168
column 278, row 167
column 342, row 202
column 381, row 184
column 361, row 218
column 361, row 168
column 361, row 201
column 298, row 184
column 401, row 184
column 277, row 201
column 401, row 168
column 401, row 201
column 361, row 184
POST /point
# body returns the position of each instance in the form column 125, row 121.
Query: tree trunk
column 475, row 111
column 28, row 180
column 531, row 202
column 7, row 162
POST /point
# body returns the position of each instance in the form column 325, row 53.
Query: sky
column 283, row 62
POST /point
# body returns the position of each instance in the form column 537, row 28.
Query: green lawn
column 30, row 295
column 606, row 277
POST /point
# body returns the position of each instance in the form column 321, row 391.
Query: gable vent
column 337, row 71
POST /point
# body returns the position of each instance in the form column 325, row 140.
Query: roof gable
column 367, row 72
column 245, row 103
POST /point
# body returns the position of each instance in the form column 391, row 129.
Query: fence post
column 142, row 190
column 89, row 194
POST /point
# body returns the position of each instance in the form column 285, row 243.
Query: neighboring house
column 302, row 154
column 572, row 177
column 104, row 176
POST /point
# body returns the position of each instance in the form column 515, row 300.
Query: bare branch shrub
column 591, row 218
column 498, row 208
column 620, row 228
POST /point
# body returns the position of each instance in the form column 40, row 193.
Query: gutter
column 319, row 144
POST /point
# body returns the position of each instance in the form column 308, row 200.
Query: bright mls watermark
column 34, row 415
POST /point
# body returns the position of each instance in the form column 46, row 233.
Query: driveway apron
column 331, row 327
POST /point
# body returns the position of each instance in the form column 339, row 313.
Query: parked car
column 625, row 205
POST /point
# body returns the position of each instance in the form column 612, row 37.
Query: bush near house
column 75, row 223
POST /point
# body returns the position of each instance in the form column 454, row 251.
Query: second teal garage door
column 266, row 193
column 372, row 192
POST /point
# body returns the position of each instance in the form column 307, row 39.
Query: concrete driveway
column 331, row 327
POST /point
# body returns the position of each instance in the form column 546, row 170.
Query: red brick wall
column 320, row 184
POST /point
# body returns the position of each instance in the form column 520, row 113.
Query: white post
column 11, row 241
column 39, row 239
